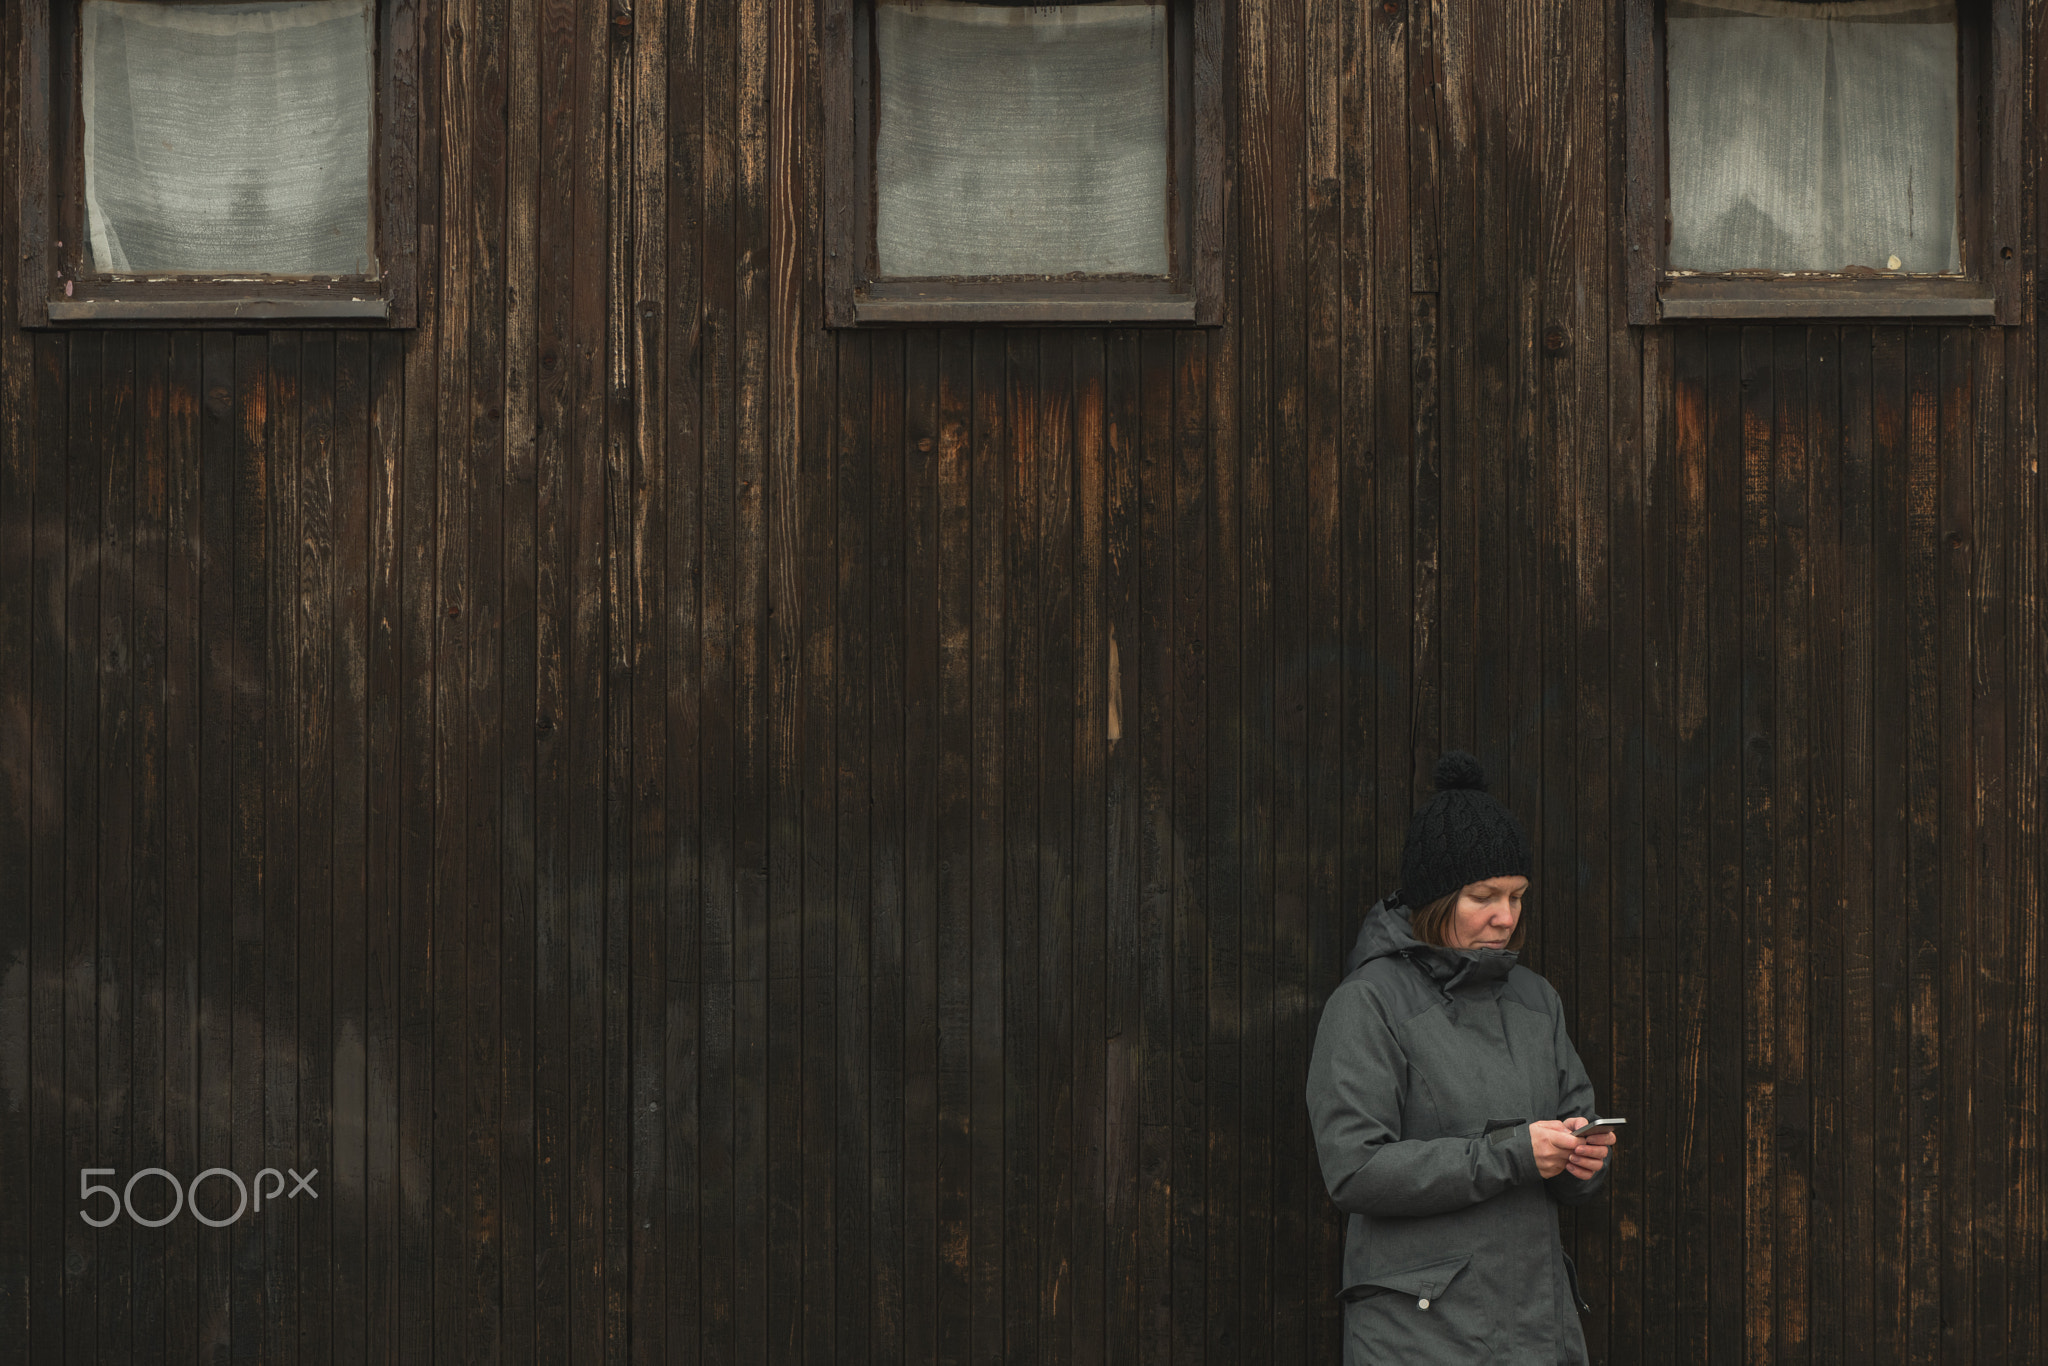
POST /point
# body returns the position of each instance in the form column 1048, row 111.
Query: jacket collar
column 1386, row 933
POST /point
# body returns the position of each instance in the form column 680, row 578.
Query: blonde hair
column 1432, row 923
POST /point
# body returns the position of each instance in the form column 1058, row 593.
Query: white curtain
column 1812, row 136
column 228, row 138
column 1021, row 141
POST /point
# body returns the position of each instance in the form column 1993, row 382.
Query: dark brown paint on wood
column 726, row 840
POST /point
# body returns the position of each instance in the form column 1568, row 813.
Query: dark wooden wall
column 727, row 841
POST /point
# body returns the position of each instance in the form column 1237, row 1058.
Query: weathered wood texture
column 728, row 841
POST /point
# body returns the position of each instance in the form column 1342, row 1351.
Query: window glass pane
column 1021, row 141
column 1812, row 136
column 227, row 138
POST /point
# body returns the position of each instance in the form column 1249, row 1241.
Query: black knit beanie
column 1460, row 836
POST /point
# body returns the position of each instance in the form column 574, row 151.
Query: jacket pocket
column 1424, row 1282
column 1500, row 1131
column 1571, row 1274
column 1413, row 1314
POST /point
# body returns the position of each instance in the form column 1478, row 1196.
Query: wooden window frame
column 1191, row 293
column 1993, row 287
column 56, row 291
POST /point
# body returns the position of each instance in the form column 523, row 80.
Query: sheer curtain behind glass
column 1021, row 141
column 227, row 138
column 1812, row 136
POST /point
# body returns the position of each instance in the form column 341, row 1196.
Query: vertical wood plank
column 1192, row 891
column 1957, row 780
column 761, row 1182
column 1159, row 851
column 1022, row 661
column 553, row 438
column 1727, row 1035
column 926, row 455
column 1859, row 703
column 1230, row 1220
column 459, row 1311
column 1632, row 823
column 1762, row 895
column 2025, row 1075
column 1122, row 871
column 813, row 665
column 352, row 1323
column 782, row 415
column 1689, row 454
column 595, row 1141
column 985, row 784
column 1263, row 205
column 952, row 827
column 523, row 736
column 18, row 617
column 281, row 842
column 75, row 647
column 152, row 949
column 1791, row 821
column 111, row 650
column 384, row 798
column 1890, row 453
column 486, row 722
column 1921, row 912
column 850, row 950
column 890, row 876
column 1091, row 1278
column 249, row 749
column 1828, row 910
column 1993, row 554
column 1492, row 410
column 48, row 1216
column 681, row 385
column 313, row 722
column 184, row 689
column 1591, row 94
column 815, row 381
column 1659, row 1164
column 643, row 181
column 29, row 85
column 1054, row 1294
column 1304, row 122
column 417, row 547
column 719, row 617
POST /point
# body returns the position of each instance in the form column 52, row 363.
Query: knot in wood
column 1556, row 340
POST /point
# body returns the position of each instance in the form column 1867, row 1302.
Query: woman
column 1443, row 1091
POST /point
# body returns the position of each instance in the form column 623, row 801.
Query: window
column 1018, row 163
column 1806, row 159
column 216, row 163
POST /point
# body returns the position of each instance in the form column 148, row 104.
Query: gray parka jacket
column 1429, row 1065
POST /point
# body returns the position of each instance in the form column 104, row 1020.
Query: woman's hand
column 1557, row 1150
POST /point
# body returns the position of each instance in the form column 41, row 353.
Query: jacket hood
column 1386, row 934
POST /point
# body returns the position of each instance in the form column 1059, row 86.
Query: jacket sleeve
column 1357, row 1083
column 1575, row 1092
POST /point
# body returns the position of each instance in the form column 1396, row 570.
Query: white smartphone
column 1597, row 1126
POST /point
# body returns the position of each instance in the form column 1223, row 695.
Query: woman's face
column 1486, row 913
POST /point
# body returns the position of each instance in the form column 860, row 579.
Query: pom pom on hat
column 1460, row 836
column 1458, row 771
